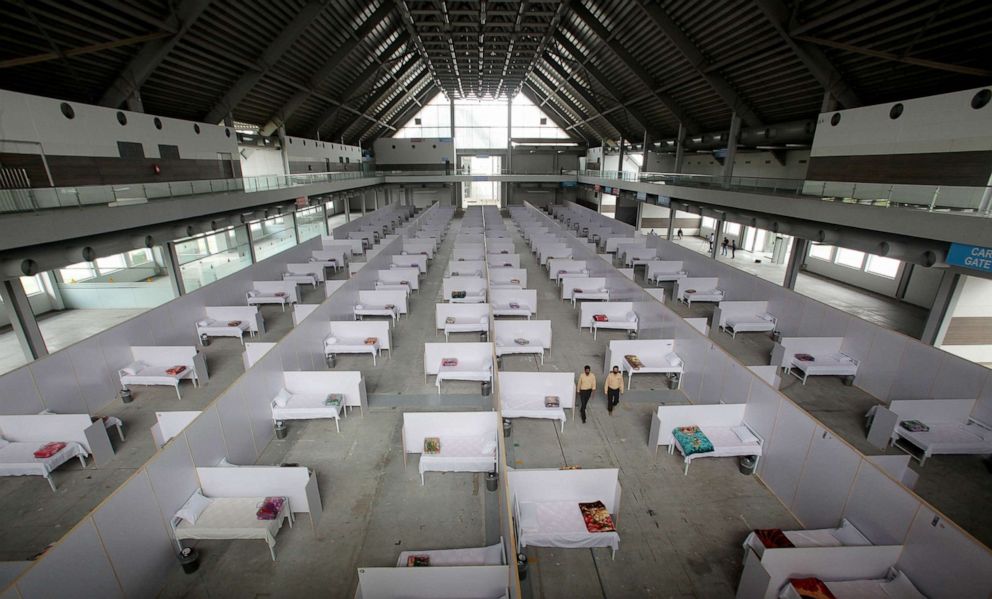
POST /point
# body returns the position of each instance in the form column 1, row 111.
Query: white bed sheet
column 351, row 346
column 725, row 444
column 704, row 295
column 217, row 328
column 233, row 518
column 748, row 324
column 524, row 406
column 469, row 324
column 950, row 438
column 506, row 310
column 464, row 372
column 368, row 310
column 470, row 556
column 820, row 537
column 308, row 406
column 460, row 454
column 828, row 365
column 268, row 299
column 560, row 524
column 471, row 297
column 660, row 277
column 17, row 458
column 300, row 277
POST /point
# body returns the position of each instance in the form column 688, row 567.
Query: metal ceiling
column 602, row 69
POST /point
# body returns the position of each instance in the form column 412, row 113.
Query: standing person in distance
column 680, row 234
column 724, row 246
column 587, row 386
column 711, row 239
column 613, row 388
column 733, row 248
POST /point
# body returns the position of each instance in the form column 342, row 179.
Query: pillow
column 330, row 340
column 253, row 293
column 631, row 317
column 203, row 323
column 359, row 307
column 282, row 398
column 488, row 447
column 194, row 507
column 134, row 367
column 528, row 518
column 744, row 434
column 901, row 587
column 850, row 536
column 766, row 316
column 673, row 360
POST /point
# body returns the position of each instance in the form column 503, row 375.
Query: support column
column 679, row 149
column 285, row 149
column 175, row 273
column 717, row 232
column 644, row 157
column 375, row 199
column 323, row 210
column 509, row 148
column 22, row 318
column 620, row 162
column 935, row 326
column 364, row 207
column 251, row 242
column 296, row 226
column 829, row 103
column 671, row 222
column 732, row 137
column 800, row 247
column 640, row 213
column 347, row 209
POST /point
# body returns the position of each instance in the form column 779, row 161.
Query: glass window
column 850, row 258
column 76, row 273
column 139, row 257
column 731, row 229
column 272, row 236
column 205, row 259
column 708, row 223
column 110, row 264
column 883, row 267
column 821, row 252
column 310, row 223
column 31, row 285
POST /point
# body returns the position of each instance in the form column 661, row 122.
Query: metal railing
column 945, row 198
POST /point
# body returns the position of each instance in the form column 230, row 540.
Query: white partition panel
column 538, row 332
column 136, row 538
column 462, row 582
column 254, row 352
column 526, row 385
column 570, row 284
column 467, row 353
column 588, row 484
column 942, row 561
column 98, row 383
column 359, row 330
column 780, row 466
column 615, row 311
column 238, row 436
column 879, row 507
column 418, row 425
column 56, row 381
column 19, row 394
column 258, row 481
column 77, row 566
column 467, row 313
column 828, row 474
column 173, row 477
column 206, row 438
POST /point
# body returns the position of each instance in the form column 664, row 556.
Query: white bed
column 726, row 443
column 525, row 405
column 256, row 298
column 217, row 328
column 301, row 278
column 702, row 295
column 465, row 324
column 305, row 406
column 389, row 310
column 475, row 453
column 139, row 373
column 384, row 286
column 669, row 363
column 506, row 347
column 340, row 345
column 17, row 459
column 472, row 296
column 511, row 309
column 602, row 295
column 949, row 438
column 492, row 555
column 845, row 535
column 835, row 364
column 564, row 274
column 898, row 587
column 559, row 524
column 627, row 323
column 465, row 370
column 228, row 518
column 755, row 323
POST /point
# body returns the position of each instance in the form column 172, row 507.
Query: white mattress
column 821, row 537
column 523, row 406
column 305, row 407
column 268, row 299
column 667, row 276
column 218, row 328
column 156, row 375
column 471, row 297
column 754, row 323
column 591, row 295
column 466, row 325
column 376, row 311
column 464, row 372
column 470, row 556
column 650, row 365
column 725, row 444
column 950, row 438
column 832, row 364
column 506, row 310
column 393, row 286
column 307, row 278
column 623, row 324
column 351, row 346
column 505, row 347
column 704, row 295
column 17, row 459
column 233, row 518
column 560, row 524
column 460, row 454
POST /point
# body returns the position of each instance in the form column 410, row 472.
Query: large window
column 883, row 267
column 822, row 252
column 731, row 229
column 210, row 257
column 850, row 258
column 310, row 223
column 708, row 223
column 31, row 285
column 531, row 122
column 77, row 273
column 273, row 236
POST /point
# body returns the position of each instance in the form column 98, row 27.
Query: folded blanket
column 521, row 341
column 811, row 588
column 178, row 369
column 334, row 400
column 692, row 440
column 514, row 306
column 634, row 361
column 449, row 320
column 914, row 426
column 687, row 291
column 457, row 294
column 371, row 340
column 449, row 362
column 416, row 561
column 270, row 508
column 773, row 538
column 234, row 323
column 600, row 317
column 805, row 358
column 552, row 401
column 596, row 517
column 49, row 449
column 279, row 294
column 432, row 445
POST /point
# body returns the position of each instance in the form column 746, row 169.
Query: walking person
column 711, row 239
column 724, row 246
column 587, row 386
column 613, row 389
column 733, row 248
column 680, row 234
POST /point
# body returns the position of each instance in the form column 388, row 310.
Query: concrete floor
column 38, row 517
column 680, row 536
column 879, row 309
column 958, row 485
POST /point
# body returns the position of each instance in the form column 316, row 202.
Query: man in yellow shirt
column 587, row 385
column 613, row 388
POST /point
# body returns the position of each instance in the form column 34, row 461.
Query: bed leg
column 272, row 552
column 82, row 460
column 685, row 471
column 51, row 483
column 120, row 432
column 421, row 479
column 337, row 424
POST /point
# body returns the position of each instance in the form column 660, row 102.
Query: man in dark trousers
column 587, row 385
column 733, row 248
column 613, row 388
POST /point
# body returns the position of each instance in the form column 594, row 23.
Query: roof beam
column 813, row 58
column 919, row 62
column 399, row 101
column 632, row 64
column 425, row 95
column 534, row 95
column 332, row 63
column 329, row 115
column 838, row 12
column 70, row 52
column 554, row 89
column 136, row 73
column 243, row 86
column 699, row 62
column 591, row 104
column 380, row 94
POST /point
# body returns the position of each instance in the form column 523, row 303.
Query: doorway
column 481, row 193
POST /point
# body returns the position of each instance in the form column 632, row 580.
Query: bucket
column 492, row 481
column 126, row 396
column 507, row 427
column 189, row 559
column 280, row 429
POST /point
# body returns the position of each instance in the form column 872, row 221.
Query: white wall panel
column 942, row 561
column 173, row 477
column 206, row 439
column 56, row 381
column 957, row 378
column 812, row 318
column 135, row 537
column 737, row 383
column 98, row 384
column 18, row 393
column 715, row 364
column 877, row 372
column 236, row 424
column 834, row 323
column 880, row 507
column 858, row 341
column 76, row 567
column 762, row 410
column 826, row 482
column 983, row 407
column 784, row 454
column 917, row 370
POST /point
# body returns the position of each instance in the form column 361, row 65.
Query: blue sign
column 974, row 257
column 569, row 184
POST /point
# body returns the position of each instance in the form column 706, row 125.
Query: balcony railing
column 946, row 198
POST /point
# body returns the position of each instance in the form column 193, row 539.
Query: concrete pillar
column 671, row 223
column 323, row 210
column 285, row 149
column 364, row 202
column 640, row 213
column 251, row 243
column 679, row 149
column 347, row 209
column 717, row 232
column 296, row 226
column 800, row 247
column 732, row 137
column 644, row 157
column 509, row 149
column 375, row 199
column 22, row 319
column 175, row 273
column 620, row 162
column 940, row 313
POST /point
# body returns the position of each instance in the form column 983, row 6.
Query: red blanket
column 49, row 449
column 596, row 517
column 811, row 588
column 270, row 508
column 600, row 317
column 179, row 369
column 773, row 538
